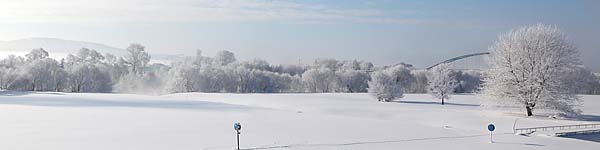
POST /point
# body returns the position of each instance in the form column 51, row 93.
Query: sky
column 297, row 31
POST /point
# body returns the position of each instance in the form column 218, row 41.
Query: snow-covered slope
column 270, row 121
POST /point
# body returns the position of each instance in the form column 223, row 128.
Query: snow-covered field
column 195, row 121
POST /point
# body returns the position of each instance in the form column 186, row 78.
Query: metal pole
column 238, row 140
column 515, row 126
column 491, row 141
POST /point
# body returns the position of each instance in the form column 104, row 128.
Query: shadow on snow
column 21, row 93
column 390, row 141
column 588, row 118
column 60, row 101
column 434, row 103
column 586, row 137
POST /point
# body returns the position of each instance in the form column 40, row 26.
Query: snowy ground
column 194, row 121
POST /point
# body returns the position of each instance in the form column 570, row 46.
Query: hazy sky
column 384, row 31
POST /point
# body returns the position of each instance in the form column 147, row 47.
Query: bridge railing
column 556, row 128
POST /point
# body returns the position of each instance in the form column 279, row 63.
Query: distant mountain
column 57, row 46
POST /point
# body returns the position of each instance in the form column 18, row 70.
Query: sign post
column 491, row 128
column 237, row 127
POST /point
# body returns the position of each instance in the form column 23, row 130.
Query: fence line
column 560, row 128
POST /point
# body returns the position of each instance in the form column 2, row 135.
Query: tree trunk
column 442, row 97
column 529, row 113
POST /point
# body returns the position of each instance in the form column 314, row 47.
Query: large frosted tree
column 530, row 67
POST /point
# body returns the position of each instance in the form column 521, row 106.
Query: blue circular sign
column 237, row 126
column 491, row 127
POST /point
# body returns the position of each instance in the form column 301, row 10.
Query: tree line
column 90, row 71
column 533, row 66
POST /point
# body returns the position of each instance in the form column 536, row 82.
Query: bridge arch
column 459, row 58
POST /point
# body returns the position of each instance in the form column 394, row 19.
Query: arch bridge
column 459, row 58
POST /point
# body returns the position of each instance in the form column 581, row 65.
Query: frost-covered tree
column 7, row 77
column 320, row 80
column 469, row 81
column 183, row 77
column 595, row 88
column 530, row 67
column 292, row 70
column 86, row 77
column 327, row 63
column 348, row 75
column 264, row 81
column 225, row 57
column 43, row 75
column 12, row 61
column 89, row 72
column 285, row 83
column 366, row 66
column 245, row 79
column 199, row 74
column 353, row 81
column 441, row 82
column 88, row 55
column 36, row 54
column 583, row 81
column 10, row 72
column 351, row 65
column 117, row 67
column 402, row 75
column 419, row 84
column 137, row 58
column 257, row 64
column 383, row 87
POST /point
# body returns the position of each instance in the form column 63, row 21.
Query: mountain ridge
column 56, row 45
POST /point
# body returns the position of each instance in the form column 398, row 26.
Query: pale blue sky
column 381, row 31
